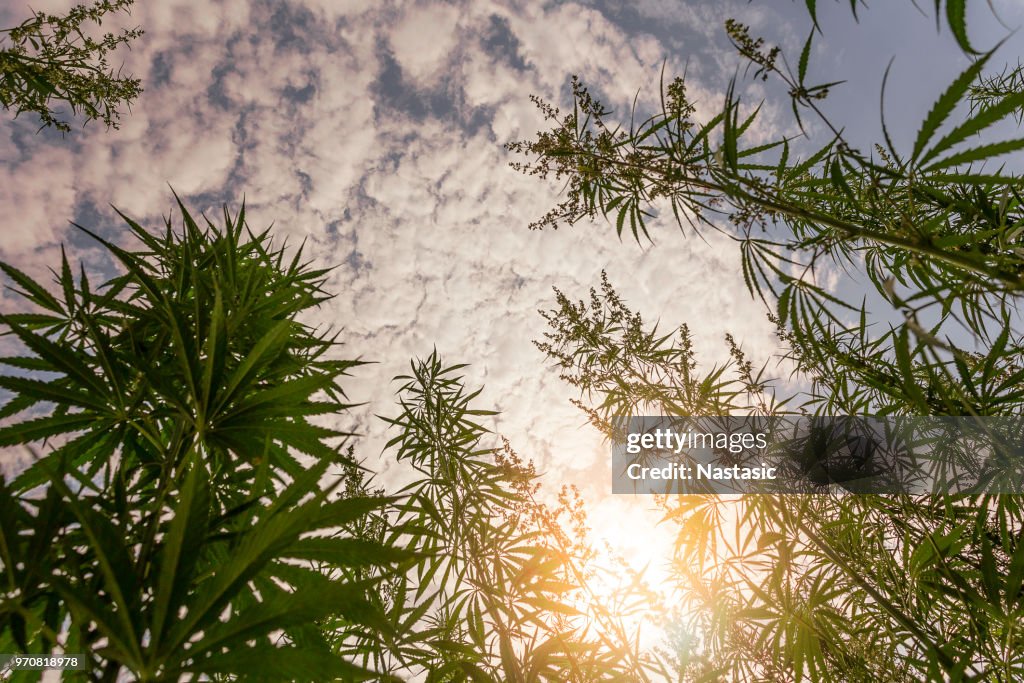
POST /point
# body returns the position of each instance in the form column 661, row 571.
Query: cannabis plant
column 51, row 59
column 830, row 586
column 500, row 588
column 171, row 519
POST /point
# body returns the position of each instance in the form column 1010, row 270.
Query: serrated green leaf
column 956, row 15
column 33, row 291
column 946, row 103
column 805, row 54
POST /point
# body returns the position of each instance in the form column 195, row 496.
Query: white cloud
column 436, row 217
column 423, row 41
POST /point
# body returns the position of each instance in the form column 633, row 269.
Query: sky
column 375, row 131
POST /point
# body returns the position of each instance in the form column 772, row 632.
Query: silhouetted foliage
column 51, row 59
column 833, row 586
column 187, row 513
